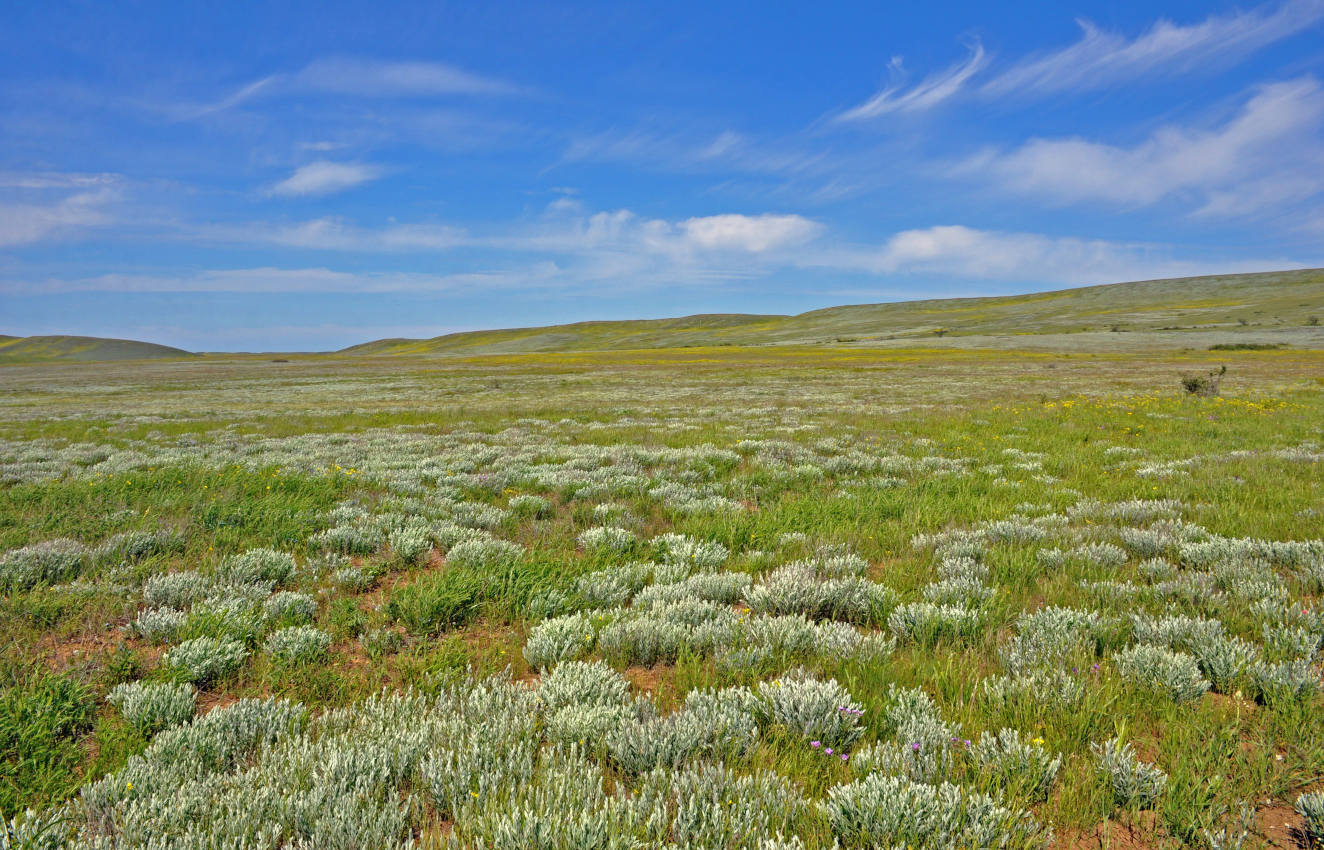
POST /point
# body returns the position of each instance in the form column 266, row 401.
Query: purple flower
column 915, row 746
column 815, row 744
column 845, row 757
column 828, row 751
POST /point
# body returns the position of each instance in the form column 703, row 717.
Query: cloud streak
column 1101, row 58
column 1269, row 153
column 325, row 178
column 928, row 93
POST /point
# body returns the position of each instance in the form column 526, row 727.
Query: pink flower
column 815, row 744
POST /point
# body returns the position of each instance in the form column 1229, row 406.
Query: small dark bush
column 1204, row 385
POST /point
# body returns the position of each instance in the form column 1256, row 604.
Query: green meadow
column 828, row 580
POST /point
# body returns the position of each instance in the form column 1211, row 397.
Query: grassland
column 24, row 349
column 1282, row 307
column 631, row 598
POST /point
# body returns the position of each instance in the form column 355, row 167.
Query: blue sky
column 252, row 176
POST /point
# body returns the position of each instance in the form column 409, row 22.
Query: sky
column 307, row 176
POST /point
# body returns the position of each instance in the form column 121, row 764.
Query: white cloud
column 1100, row 58
column 40, row 205
column 754, row 234
column 1268, row 153
column 926, row 94
column 272, row 279
column 361, row 78
column 394, row 79
column 968, row 253
column 334, row 234
column 325, row 178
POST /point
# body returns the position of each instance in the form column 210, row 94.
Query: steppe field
column 930, row 586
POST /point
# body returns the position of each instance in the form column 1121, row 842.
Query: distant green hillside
column 1268, row 302
column 44, row 348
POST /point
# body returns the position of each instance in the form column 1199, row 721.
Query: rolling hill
column 26, row 349
column 1268, row 304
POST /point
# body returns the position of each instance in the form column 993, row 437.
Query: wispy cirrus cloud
column 926, row 94
column 38, row 206
column 361, row 78
column 1102, row 58
column 325, row 178
column 1269, row 153
column 1099, row 59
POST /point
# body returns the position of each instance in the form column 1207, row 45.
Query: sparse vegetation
column 740, row 598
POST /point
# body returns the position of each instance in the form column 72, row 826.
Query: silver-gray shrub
column 1225, row 661
column 963, row 591
column 1287, row 642
column 1311, row 808
column 177, row 590
column 169, row 782
column 559, row 639
column 1135, row 784
column 1050, row 638
column 410, row 543
column 582, row 683
column 47, row 562
column 920, row 748
column 1160, row 670
column 158, row 625
column 257, row 565
column 150, row 707
column 697, row 555
column 605, row 538
column 1174, row 632
column 297, row 644
column 529, row 505
column 892, row 811
column 710, row 805
column 1013, row 763
column 925, row 623
column 799, row 588
column 484, row 553
column 725, row 588
column 660, row 633
column 205, row 659
column 1100, row 554
column 1284, row 681
column 226, row 615
column 562, row 805
column 720, row 723
column 136, row 545
column 348, row 539
column 818, row 710
column 614, row 585
column 289, row 606
column 1029, row 692
column 353, row 579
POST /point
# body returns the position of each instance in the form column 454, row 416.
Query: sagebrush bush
column 202, row 660
column 48, row 562
column 150, row 707
column 256, row 565
column 1012, row 763
column 559, row 639
column 1134, row 783
column 1311, row 808
column 297, row 644
column 289, row 607
column 894, row 812
column 820, row 711
column 1176, row 675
